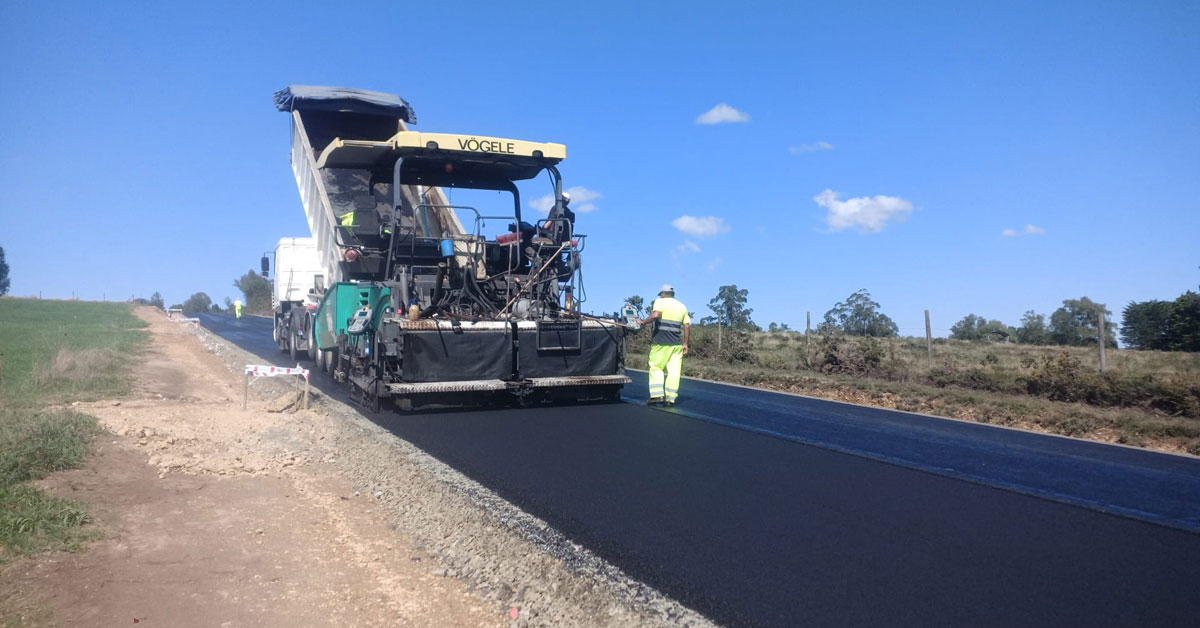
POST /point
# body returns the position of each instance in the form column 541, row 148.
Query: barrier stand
column 259, row 370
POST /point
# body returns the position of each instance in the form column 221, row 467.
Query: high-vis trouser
column 237, row 310
column 670, row 358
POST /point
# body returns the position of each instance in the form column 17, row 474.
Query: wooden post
column 718, row 333
column 305, row 393
column 246, row 391
column 807, row 346
column 1103, row 365
column 929, row 338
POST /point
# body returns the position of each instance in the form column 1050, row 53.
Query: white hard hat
column 667, row 288
column 566, row 197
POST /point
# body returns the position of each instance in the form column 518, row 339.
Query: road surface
column 764, row 509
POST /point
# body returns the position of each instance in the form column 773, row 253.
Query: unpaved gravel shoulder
column 506, row 556
column 217, row 516
column 347, row 523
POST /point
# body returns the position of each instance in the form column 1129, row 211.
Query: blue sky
column 864, row 145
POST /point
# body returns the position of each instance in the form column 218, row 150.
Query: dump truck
column 298, row 285
column 415, row 309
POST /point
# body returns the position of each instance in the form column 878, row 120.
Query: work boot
column 668, row 404
column 654, row 401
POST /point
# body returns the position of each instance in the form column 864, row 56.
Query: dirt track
column 215, row 516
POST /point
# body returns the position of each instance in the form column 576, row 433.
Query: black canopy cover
column 349, row 99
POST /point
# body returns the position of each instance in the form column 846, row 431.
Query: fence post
column 807, row 325
column 246, row 390
column 929, row 338
column 1103, row 337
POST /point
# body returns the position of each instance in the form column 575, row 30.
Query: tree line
column 254, row 287
column 1076, row 323
column 1160, row 325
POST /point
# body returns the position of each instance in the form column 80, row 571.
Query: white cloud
column 581, row 200
column 700, row 226
column 722, row 113
column 870, row 214
column 1028, row 230
column 713, row 264
column 685, row 249
column 807, row 148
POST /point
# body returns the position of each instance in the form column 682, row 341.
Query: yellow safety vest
column 348, row 219
column 668, row 327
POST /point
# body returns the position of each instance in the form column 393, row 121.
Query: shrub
column 735, row 345
column 836, row 353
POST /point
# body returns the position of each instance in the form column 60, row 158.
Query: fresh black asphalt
column 828, row 514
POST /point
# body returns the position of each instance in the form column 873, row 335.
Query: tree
column 637, row 303
column 973, row 327
column 1147, row 325
column 156, row 300
column 967, row 328
column 3, row 273
column 214, row 308
column 1163, row 325
column 1185, row 323
column 778, row 327
column 1077, row 323
column 1033, row 329
column 858, row 315
column 257, row 290
column 730, row 309
column 198, row 302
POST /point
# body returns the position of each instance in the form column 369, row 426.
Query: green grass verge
column 62, row 351
column 33, row 444
column 51, row 353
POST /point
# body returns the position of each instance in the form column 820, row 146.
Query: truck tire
column 291, row 343
column 313, row 353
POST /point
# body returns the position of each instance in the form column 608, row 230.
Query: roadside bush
column 735, row 346
column 638, row 342
column 839, row 354
column 1061, row 377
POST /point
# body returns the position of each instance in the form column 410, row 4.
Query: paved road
column 778, row 510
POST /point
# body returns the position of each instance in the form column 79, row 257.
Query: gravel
column 509, row 557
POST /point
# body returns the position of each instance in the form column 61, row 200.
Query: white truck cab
column 299, row 283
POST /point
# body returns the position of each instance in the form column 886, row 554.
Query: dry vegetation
column 1145, row 398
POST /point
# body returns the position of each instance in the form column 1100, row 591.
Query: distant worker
column 237, row 308
column 668, row 345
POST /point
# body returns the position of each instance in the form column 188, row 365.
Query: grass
column 31, row 446
column 1146, row 398
column 53, row 353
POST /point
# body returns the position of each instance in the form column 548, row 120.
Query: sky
column 986, row 158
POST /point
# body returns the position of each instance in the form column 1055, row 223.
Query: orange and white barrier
column 272, row 371
column 260, row 370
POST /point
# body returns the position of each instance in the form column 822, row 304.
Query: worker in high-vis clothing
column 237, row 308
column 668, row 345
